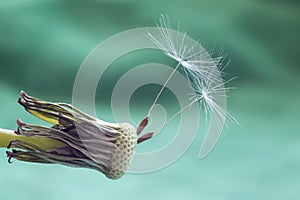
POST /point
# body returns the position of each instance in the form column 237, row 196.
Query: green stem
column 6, row 136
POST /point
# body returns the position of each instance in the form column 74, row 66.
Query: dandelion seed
column 208, row 93
column 189, row 54
column 200, row 69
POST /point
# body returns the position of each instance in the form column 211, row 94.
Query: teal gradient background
column 42, row 44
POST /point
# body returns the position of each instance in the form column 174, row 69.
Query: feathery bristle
column 187, row 52
column 203, row 72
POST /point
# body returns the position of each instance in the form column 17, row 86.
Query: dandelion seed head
column 88, row 142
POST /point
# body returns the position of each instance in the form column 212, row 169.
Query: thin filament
column 162, row 88
column 176, row 114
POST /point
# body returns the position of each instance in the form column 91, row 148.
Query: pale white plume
column 200, row 68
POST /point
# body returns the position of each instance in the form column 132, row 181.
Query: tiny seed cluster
column 122, row 156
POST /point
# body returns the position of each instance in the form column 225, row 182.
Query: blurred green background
column 42, row 44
